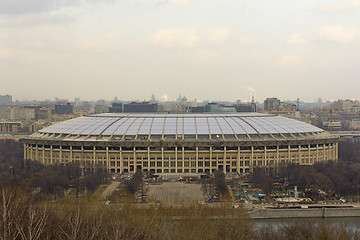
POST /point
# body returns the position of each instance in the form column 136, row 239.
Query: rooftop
column 148, row 126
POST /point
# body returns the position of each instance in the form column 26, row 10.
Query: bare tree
column 135, row 182
column 220, row 183
column 12, row 210
column 34, row 224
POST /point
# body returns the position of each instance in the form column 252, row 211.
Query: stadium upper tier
column 110, row 126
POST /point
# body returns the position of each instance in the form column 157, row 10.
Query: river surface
column 351, row 223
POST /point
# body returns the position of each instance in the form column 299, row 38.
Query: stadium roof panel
column 122, row 125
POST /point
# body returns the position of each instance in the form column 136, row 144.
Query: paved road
column 109, row 190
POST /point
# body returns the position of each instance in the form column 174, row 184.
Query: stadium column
column 299, row 153
column 25, row 148
column 317, row 152
column 326, row 151
column 252, row 159
column 265, row 156
column 224, row 161
column 323, row 157
column 71, row 154
column 51, row 155
column 289, row 155
column 148, row 160
column 176, row 159
column 277, row 158
column 94, row 157
column 60, row 155
column 331, row 151
column 183, row 160
column 162, row 157
column 36, row 153
column 121, row 161
column 27, row 151
column 308, row 157
column 197, row 158
column 82, row 162
column 31, row 152
column 43, row 154
column 336, row 151
column 107, row 159
column 238, row 161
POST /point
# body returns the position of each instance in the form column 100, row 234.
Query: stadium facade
column 181, row 143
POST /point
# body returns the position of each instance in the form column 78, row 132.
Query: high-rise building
column 272, row 104
column 153, row 99
column 64, row 108
column 116, row 108
column 245, row 107
column 217, row 108
column 140, row 107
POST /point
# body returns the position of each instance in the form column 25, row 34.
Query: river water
column 350, row 223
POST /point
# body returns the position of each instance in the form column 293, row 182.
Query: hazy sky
column 205, row 49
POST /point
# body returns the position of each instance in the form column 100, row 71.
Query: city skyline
column 213, row 50
column 153, row 98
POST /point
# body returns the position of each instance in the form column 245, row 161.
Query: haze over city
column 220, row 50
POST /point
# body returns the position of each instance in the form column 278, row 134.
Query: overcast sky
column 204, row 49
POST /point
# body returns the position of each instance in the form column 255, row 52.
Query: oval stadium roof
column 141, row 126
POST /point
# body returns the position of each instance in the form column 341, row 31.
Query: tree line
column 40, row 179
column 341, row 177
column 86, row 218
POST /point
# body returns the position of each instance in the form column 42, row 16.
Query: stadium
column 181, row 143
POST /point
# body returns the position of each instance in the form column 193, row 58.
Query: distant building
column 42, row 113
column 116, row 108
column 101, row 109
column 334, row 125
column 353, row 124
column 5, row 112
column 287, row 107
column 5, row 100
column 22, row 113
column 199, row 109
column 346, row 105
column 216, row 108
column 245, row 107
column 101, row 102
column 64, row 108
column 135, row 107
column 272, row 104
column 10, row 127
column 153, row 99
column 77, row 101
